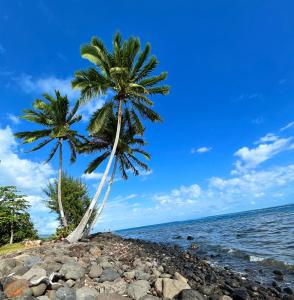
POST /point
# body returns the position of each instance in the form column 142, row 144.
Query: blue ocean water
column 254, row 241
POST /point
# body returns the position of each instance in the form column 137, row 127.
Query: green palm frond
column 99, row 117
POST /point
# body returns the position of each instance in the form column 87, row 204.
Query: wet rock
column 86, row 293
column 193, row 246
column 138, row 289
column 178, row 237
column 190, row 238
column 39, row 290
column 72, row 271
column 278, row 272
column 17, row 288
column 95, row 271
column 109, row 274
column 240, row 294
column 190, row 295
column 65, row 293
column 288, row 290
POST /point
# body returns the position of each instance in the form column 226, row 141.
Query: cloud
column 257, row 121
column 92, row 176
column 268, row 146
column 200, row 150
column 288, row 126
column 14, row 119
column 28, row 176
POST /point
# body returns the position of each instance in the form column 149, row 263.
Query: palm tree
column 124, row 73
column 128, row 147
column 55, row 116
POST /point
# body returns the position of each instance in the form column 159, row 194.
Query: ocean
column 254, row 242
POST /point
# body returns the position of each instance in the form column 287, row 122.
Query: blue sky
column 226, row 141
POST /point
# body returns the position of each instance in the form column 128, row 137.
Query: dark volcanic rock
column 190, row 238
column 190, row 295
column 240, row 294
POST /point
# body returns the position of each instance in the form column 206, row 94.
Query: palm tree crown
column 55, row 116
column 126, row 71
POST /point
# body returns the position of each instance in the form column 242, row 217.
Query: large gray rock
column 171, row 287
column 39, row 290
column 32, row 260
column 34, row 273
column 72, row 271
column 138, row 289
column 65, row 293
column 190, row 295
column 95, row 271
column 6, row 265
column 141, row 275
column 86, row 293
column 108, row 274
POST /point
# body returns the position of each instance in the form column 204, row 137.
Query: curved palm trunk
column 101, row 207
column 62, row 216
column 11, row 233
column 78, row 232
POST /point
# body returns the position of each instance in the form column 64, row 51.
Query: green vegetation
column 15, row 222
column 56, row 118
column 11, row 248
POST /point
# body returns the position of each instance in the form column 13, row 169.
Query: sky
column 227, row 140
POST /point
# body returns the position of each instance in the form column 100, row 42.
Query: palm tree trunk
column 62, row 216
column 101, row 207
column 11, row 234
column 78, row 232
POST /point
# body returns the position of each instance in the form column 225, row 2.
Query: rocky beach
column 110, row 267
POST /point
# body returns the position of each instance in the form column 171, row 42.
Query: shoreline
column 135, row 269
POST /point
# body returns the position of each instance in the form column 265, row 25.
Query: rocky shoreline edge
column 108, row 267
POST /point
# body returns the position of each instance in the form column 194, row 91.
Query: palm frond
column 99, row 117
column 96, row 162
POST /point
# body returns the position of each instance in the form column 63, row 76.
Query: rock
column 225, row 297
column 158, row 286
column 19, row 270
column 129, row 275
column 34, row 273
column 138, row 289
column 6, row 265
column 178, row 237
column 63, row 259
column 72, row 271
column 53, row 267
column 70, row 283
column 194, row 246
column 155, row 272
column 278, row 272
column 95, row 251
column 86, row 293
column 172, row 287
column 39, row 290
column 95, row 271
column 118, row 286
column 17, row 288
column 141, row 275
column 180, row 277
column 65, row 293
column 103, row 262
column 207, row 289
column 43, row 298
column 190, row 238
column 190, row 295
column 30, row 261
column 111, row 297
column 288, row 290
column 108, row 274
column 149, row 297
column 240, row 294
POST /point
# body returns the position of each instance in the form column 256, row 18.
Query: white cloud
column 14, row 119
column 201, row 150
column 268, row 146
column 288, row 126
column 92, row 176
column 28, row 176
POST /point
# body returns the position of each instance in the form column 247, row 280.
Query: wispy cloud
column 92, row 176
column 200, row 150
column 14, row 119
column 288, row 126
column 257, row 121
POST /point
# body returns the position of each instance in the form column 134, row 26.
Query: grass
column 11, row 248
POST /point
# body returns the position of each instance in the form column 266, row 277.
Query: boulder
column 172, row 287
column 32, row 260
column 141, row 275
column 72, row 271
column 34, row 273
column 190, row 295
column 6, row 265
column 138, row 289
column 65, row 293
column 17, row 288
column 95, row 271
column 39, row 289
column 180, row 277
column 108, row 274
column 118, row 286
column 86, row 293
column 190, row 238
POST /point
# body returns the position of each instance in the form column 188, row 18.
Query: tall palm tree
column 125, row 73
column 128, row 147
column 56, row 118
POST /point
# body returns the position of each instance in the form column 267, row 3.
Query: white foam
column 255, row 258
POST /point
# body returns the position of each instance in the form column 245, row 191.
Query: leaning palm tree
column 128, row 147
column 123, row 73
column 55, row 116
